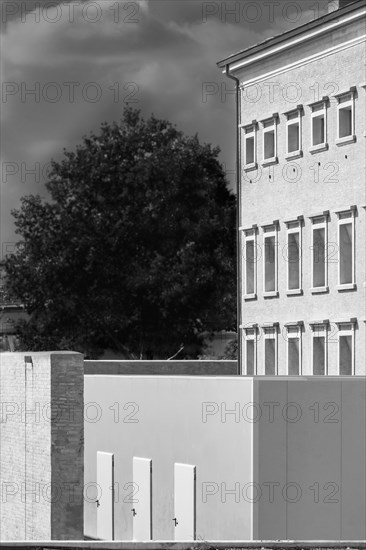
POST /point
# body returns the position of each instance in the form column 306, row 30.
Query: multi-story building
column 301, row 197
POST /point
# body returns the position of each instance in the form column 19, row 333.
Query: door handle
column 133, row 512
column 175, row 521
column 97, row 503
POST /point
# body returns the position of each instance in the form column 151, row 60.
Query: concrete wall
column 176, row 368
column 333, row 179
column 244, row 435
column 41, row 446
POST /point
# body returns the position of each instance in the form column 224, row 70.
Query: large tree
column 134, row 252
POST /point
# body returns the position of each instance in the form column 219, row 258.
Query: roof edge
column 268, row 43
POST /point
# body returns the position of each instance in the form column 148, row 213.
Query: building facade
column 301, row 197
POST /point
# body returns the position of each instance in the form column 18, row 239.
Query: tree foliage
column 134, row 252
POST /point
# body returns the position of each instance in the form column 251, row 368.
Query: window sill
column 348, row 286
column 319, row 148
column 294, row 155
column 249, row 167
column 271, row 294
column 252, row 296
column 319, row 289
column 294, row 292
column 270, row 161
column 345, row 140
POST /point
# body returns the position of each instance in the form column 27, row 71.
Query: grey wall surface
column 313, row 452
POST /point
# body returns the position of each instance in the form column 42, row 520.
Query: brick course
column 41, row 446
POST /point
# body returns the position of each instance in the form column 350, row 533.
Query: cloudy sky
column 85, row 60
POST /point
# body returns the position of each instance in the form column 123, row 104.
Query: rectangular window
column 249, row 259
column 270, row 260
column 250, row 357
column 294, row 350
column 319, row 126
column 293, row 133
column 346, row 117
column 345, row 121
column 319, row 256
column 293, row 130
column 270, row 351
column 346, row 252
column 250, row 146
column 319, row 349
column 269, row 144
column 250, row 268
column 318, row 130
column 346, row 349
column 293, row 257
column 249, row 150
column 270, row 140
column 319, row 248
column 294, row 260
column 270, row 263
column 251, row 351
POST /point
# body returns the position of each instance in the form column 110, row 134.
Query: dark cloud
column 21, row 10
column 165, row 61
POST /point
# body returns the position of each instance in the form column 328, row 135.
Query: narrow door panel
column 105, row 508
column 142, row 508
column 184, row 502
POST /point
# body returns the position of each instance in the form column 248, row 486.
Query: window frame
column 253, row 338
column 270, row 125
column 250, row 235
column 270, row 230
column 290, row 155
column 320, row 329
column 319, row 221
column 342, row 105
column 350, row 219
column 270, row 332
column 292, row 335
column 315, row 114
column 294, row 226
column 350, row 331
column 249, row 131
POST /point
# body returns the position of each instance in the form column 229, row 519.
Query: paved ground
column 166, row 545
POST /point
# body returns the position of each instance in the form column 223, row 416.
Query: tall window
column 270, row 140
column 319, row 126
column 270, row 259
column 270, row 350
column 319, row 348
column 293, row 132
column 346, row 249
column 250, row 145
column 251, row 351
column 319, row 253
column 250, row 263
column 346, row 353
column 293, row 257
column 346, row 117
column 294, row 351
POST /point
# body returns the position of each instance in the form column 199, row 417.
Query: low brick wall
column 163, row 368
column 41, row 446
